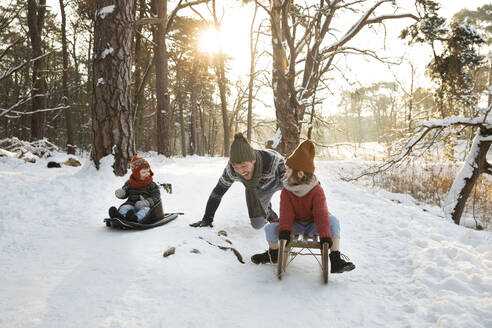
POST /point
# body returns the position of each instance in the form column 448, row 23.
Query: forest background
column 182, row 77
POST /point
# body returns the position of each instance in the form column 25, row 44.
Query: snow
column 277, row 138
column 108, row 51
column 103, row 12
column 472, row 32
column 456, row 120
column 6, row 153
column 62, row 267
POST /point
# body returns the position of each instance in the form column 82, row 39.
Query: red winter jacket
column 311, row 206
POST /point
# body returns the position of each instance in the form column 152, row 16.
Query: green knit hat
column 241, row 151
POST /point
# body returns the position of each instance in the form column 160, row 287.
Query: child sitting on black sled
column 142, row 193
column 303, row 211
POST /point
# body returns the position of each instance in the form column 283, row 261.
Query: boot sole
column 345, row 269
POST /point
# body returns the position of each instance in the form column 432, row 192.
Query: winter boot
column 131, row 216
column 270, row 256
column 114, row 214
column 338, row 264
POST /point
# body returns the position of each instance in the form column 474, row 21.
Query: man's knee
column 258, row 222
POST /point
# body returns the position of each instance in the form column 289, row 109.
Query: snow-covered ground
column 62, row 267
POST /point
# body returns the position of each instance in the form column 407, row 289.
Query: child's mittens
column 120, row 193
column 284, row 234
column 142, row 203
column 325, row 240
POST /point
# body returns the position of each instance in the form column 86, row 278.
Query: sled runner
column 286, row 254
column 156, row 217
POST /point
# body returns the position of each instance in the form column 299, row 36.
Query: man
column 260, row 171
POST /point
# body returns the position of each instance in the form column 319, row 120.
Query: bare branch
column 264, row 8
column 170, row 19
column 364, row 20
column 147, row 39
column 147, row 21
column 365, row 52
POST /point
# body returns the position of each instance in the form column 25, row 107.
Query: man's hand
column 205, row 222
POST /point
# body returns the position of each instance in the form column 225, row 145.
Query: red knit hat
column 137, row 163
column 302, row 159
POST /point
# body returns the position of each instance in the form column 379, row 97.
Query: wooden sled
column 286, row 254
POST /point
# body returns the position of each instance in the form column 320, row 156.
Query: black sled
column 155, row 218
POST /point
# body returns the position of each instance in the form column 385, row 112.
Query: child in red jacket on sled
column 141, row 192
column 303, row 211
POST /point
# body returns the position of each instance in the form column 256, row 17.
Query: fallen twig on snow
column 224, row 248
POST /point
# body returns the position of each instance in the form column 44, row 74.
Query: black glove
column 325, row 240
column 205, row 222
column 284, row 234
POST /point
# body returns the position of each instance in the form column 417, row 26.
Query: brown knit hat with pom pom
column 302, row 159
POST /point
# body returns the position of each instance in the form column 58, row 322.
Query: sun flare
column 210, row 41
column 232, row 37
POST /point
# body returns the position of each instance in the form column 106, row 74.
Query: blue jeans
column 141, row 213
column 302, row 228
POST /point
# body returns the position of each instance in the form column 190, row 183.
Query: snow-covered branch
column 456, row 120
column 4, row 112
column 19, row 114
column 15, row 69
column 425, row 127
column 9, row 47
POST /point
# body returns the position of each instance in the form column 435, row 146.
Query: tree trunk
column 221, row 81
column 194, row 144
column 112, row 113
column 252, row 47
column 475, row 164
column 181, row 105
column 68, row 111
column 35, row 22
column 203, row 144
column 138, row 119
column 164, row 137
column 285, row 110
column 411, row 99
column 90, row 84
